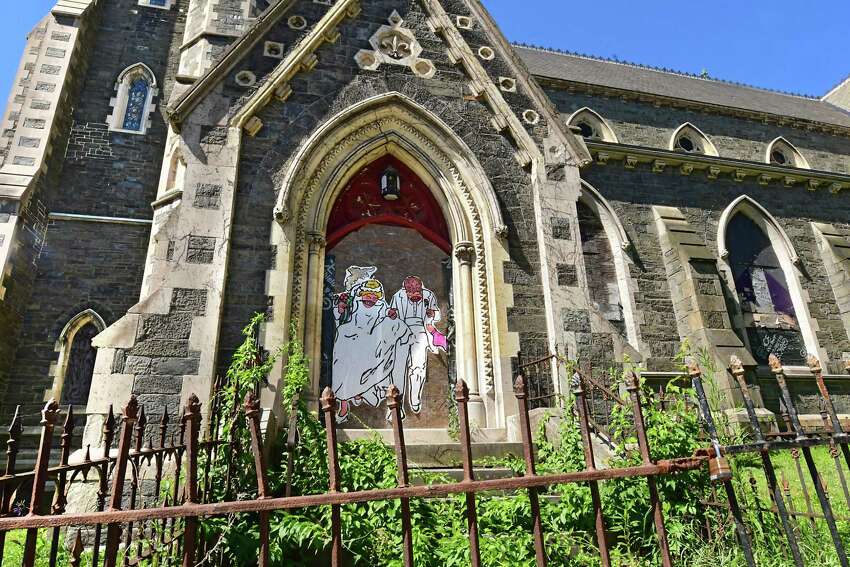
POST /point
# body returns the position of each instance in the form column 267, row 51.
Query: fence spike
column 394, row 406
column 329, row 410
column 49, row 417
column 779, row 374
column 192, row 426
column 633, row 387
column 462, row 399
column 252, row 415
column 521, row 395
column 737, row 369
column 113, row 531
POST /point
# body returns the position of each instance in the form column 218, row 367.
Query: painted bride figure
column 369, row 344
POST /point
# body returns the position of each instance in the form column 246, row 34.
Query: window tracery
column 689, row 139
column 592, row 126
column 135, row 90
column 781, row 152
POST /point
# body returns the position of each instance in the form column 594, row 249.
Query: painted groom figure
column 417, row 306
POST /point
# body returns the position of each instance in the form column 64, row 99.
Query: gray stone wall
column 634, row 192
column 84, row 265
column 335, row 84
column 644, row 124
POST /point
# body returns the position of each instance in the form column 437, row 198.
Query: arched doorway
column 81, row 358
column 387, row 314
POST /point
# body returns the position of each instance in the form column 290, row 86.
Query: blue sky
column 791, row 45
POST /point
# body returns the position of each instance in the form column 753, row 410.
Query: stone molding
column 183, row 106
column 607, row 133
column 834, row 246
column 713, row 167
column 708, row 148
column 301, row 58
column 395, row 44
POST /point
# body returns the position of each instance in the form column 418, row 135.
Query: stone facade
column 177, row 234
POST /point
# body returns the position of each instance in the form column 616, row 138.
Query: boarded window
column 600, row 267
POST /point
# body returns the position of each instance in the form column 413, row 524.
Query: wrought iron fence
column 146, row 528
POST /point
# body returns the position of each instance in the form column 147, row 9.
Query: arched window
column 781, row 152
column 135, row 90
column 592, row 125
column 689, row 139
column 75, row 367
column 762, row 265
column 604, row 244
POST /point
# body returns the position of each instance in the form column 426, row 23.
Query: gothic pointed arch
column 762, row 269
column 782, row 152
column 73, row 370
column 605, row 246
column 592, row 125
column 394, row 128
column 690, row 139
column 133, row 103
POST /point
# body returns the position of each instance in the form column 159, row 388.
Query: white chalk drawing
column 379, row 343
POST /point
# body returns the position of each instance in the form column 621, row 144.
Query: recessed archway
column 325, row 166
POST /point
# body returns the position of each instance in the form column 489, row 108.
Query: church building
column 410, row 197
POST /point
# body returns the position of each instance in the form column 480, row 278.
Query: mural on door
column 386, row 313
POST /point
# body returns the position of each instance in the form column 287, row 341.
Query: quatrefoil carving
column 394, row 44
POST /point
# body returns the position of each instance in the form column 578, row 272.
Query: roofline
column 835, row 89
column 827, row 127
column 665, row 71
column 188, row 100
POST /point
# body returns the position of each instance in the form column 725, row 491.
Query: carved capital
column 465, row 252
column 317, row 241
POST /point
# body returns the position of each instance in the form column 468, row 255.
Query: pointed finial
column 87, row 457
column 131, row 410
column 461, row 391
column 143, row 419
column 252, row 404
column 775, row 365
column 693, row 368
column 328, row 399
column 519, row 387
column 50, row 412
column 109, row 422
column 393, row 396
column 17, row 427
column 69, row 419
column 814, row 364
column 736, row 366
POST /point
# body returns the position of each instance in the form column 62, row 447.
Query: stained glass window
column 137, row 96
column 771, row 321
column 157, row 2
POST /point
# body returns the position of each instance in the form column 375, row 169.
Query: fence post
column 590, row 464
column 633, row 387
column 838, row 433
column 462, row 398
column 59, row 500
column 192, row 417
column 329, row 410
column 15, row 431
column 252, row 415
column 528, row 454
column 49, row 415
column 394, row 405
column 779, row 374
column 113, row 531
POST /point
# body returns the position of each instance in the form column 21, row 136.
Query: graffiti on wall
column 381, row 339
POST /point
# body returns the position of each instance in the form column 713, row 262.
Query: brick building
column 413, row 196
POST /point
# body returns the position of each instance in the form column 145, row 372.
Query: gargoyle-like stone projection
column 386, row 311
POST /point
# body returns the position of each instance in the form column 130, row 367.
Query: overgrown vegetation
column 372, row 531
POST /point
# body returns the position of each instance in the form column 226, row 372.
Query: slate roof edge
column 673, row 72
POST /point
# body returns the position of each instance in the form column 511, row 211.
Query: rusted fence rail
column 147, row 524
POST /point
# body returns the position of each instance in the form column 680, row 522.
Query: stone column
column 313, row 313
column 465, row 254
